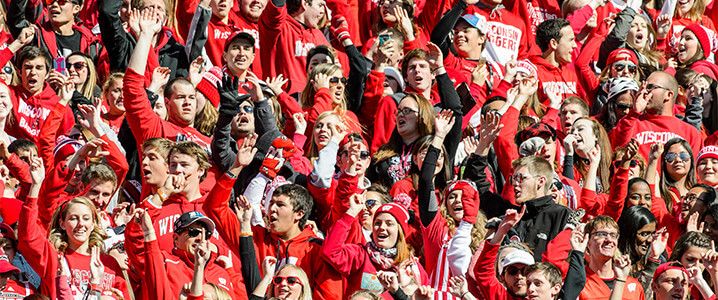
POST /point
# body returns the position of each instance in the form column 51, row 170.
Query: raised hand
column 134, row 21
column 510, row 72
column 470, row 145
column 443, row 123
column 710, row 260
column 246, row 151
column 511, row 218
column 321, row 81
column 149, row 22
column 24, row 38
column 160, row 77
column 693, row 224
column 663, row 25
column 659, row 243
column 196, row 70
column 479, row 74
column 243, row 210
column 458, row 286
column 490, row 128
column 122, row 213
column 622, row 266
column 97, row 269
column 642, row 101
column 268, row 265
column 579, row 238
column 339, row 131
column 528, row 87
column 37, row 170
column 569, row 143
column 435, row 57
column 142, row 217
column 594, row 157
column 300, row 123
column 656, row 152
column 389, row 280
column 356, row 205
column 94, row 149
column 276, row 83
column 175, row 183
column 228, row 95
column 255, row 89
column 625, row 154
column 425, row 292
column 405, row 25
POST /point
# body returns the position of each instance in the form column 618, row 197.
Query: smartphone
column 467, row 100
column 383, row 38
column 59, row 65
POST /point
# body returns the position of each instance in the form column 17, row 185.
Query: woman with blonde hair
column 113, row 100
column 74, row 234
column 82, row 72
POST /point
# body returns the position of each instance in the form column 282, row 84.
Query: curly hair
column 59, row 238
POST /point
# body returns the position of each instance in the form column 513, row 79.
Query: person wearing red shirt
column 245, row 16
column 651, row 120
column 286, row 236
column 601, row 276
column 556, row 73
column 167, row 272
column 289, row 29
column 507, row 31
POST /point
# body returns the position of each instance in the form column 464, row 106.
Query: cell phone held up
column 59, row 65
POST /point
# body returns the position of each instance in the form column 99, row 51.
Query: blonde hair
column 695, row 14
column 403, row 249
column 307, row 97
column 478, row 231
column 221, row 293
column 206, row 120
column 114, row 77
column 306, row 288
column 88, row 88
column 58, row 237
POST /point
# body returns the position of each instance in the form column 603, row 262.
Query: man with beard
column 511, row 281
column 600, row 275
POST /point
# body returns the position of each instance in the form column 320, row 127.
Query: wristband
column 464, row 295
column 246, row 234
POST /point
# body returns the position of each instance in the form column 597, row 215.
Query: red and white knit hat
column 708, row 152
column 65, row 147
column 398, row 212
column 208, row 85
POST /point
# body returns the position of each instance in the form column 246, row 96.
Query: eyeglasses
column 604, row 234
column 194, row 232
column 7, row 70
column 619, row 67
column 406, row 111
column 519, row 178
column 651, row 87
column 78, row 66
column 247, row 109
column 370, row 203
column 335, row 80
column 513, row 270
column 670, row 157
column 291, row 280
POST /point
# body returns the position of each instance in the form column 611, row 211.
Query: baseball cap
column 7, row 232
column 239, row 35
column 671, row 265
column 538, row 129
column 517, row 256
column 189, row 218
column 708, row 152
column 622, row 54
column 476, row 21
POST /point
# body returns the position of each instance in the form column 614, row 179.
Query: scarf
column 384, row 258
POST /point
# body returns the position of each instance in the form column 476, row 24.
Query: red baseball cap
column 622, row 54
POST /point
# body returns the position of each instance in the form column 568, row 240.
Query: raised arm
column 345, row 258
column 440, row 33
column 197, row 36
column 114, row 37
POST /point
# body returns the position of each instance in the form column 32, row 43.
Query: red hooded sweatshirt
column 302, row 250
column 649, row 129
column 168, row 272
column 552, row 79
column 354, row 263
column 507, row 32
column 288, row 43
column 43, row 258
column 31, row 111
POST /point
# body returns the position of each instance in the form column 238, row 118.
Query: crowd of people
column 346, row 149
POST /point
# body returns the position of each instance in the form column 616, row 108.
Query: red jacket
column 595, row 288
column 331, row 203
column 554, row 79
column 288, row 42
column 166, row 273
column 43, row 258
column 240, row 22
column 649, row 129
column 485, row 274
column 353, row 261
column 302, row 250
column 607, row 204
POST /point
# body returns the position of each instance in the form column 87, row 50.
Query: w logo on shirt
column 301, row 49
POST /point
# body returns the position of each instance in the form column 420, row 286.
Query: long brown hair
column 58, row 236
column 206, row 120
column 307, row 97
column 666, row 181
column 604, row 170
column 425, row 126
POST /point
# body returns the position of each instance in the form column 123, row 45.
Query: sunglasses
column 370, row 203
column 61, row 2
column 335, row 80
column 78, row 65
column 670, row 157
column 7, row 70
column 623, row 106
column 194, row 232
column 633, row 163
column 247, row 109
column 513, row 271
column 362, row 154
column 291, row 280
column 621, row 66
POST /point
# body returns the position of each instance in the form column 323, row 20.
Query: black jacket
column 120, row 44
column 543, row 220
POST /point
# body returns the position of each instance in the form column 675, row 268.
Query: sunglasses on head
column 620, row 66
column 670, row 157
column 335, row 80
column 291, row 280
